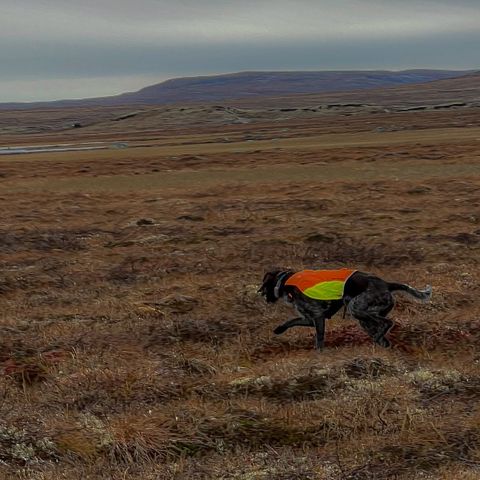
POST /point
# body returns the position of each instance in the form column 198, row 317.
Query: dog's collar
column 281, row 277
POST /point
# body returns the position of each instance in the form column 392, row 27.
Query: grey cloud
column 70, row 60
column 51, row 39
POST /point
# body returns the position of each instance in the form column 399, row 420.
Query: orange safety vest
column 321, row 284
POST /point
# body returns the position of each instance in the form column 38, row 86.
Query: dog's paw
column 383, row 342
column 279, row 330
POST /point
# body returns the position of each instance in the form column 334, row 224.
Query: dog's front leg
column 319, row 322
column 294, row 322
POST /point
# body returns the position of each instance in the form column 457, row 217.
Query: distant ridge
column 254, row 85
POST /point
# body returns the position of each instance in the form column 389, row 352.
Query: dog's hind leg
column 376, row 328
column 369, row 309
column 294, row 322
column 383, row 327
column 387, row 325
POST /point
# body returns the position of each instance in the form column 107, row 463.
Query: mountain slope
column 276, row 83
column 465, row 88
column 256, row 84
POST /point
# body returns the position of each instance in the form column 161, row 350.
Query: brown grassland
column 134, row 346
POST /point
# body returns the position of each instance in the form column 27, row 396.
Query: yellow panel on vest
column 332, row 290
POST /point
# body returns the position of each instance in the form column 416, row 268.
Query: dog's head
column 271, row 284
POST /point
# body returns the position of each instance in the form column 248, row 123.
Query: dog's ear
column 271, row 285
column 267, row 278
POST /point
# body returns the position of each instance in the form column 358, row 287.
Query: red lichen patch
column 348, row 335
column 27, row 369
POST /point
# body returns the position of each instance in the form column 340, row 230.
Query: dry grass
column 133, row 344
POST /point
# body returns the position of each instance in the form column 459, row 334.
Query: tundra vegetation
column 133, row 343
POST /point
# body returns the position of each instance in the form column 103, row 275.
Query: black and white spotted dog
column 366, row 297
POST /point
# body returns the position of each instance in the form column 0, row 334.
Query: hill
column 254, row 84
column 465, row 88
column 441, row 103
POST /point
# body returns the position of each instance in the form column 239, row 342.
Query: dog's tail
column 424, row 295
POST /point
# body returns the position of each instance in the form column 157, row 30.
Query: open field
column 133, row 344
column 448, row 103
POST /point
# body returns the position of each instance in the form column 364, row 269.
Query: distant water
column 63, row 147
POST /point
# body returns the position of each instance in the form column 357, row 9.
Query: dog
column 366, row 297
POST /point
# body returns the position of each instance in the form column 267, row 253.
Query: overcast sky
column 52, row 49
